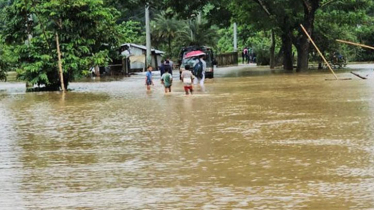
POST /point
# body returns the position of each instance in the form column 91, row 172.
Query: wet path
column 253, row 140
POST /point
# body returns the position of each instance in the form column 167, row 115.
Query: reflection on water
column 273, row 141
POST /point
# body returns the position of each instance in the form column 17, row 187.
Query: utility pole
column 235, row 38
column 192, row 18
column 148, row 37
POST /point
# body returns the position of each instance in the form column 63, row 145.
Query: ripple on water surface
column 258, row 142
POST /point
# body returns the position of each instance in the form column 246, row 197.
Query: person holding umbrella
column 199, row 66
column 199, row 70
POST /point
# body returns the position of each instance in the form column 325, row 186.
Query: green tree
column 198, row 33
column 338, row 20
column 183, row 9
column 165, row 29
column 130, row 32
column 281, row 16
column 285, row 17
column 69, row 35
column 8, row 59
column 225, row 41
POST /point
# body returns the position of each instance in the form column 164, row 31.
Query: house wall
column 156, row 59
column 136, row 65
column 227, row 59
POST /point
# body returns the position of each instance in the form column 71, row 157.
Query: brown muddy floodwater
column 253, row 140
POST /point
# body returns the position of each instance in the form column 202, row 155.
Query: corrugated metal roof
column 142, row 47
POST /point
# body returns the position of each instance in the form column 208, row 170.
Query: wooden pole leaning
column 319, row 52
column 356, row 44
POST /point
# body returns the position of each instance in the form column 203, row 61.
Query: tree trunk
column 272, row 50
column 97, row 71
column 287, row 51
column 61, row 75
column 279, row 56
column 302, row 45
column 302, row 55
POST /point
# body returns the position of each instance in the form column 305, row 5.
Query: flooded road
column 253, row 140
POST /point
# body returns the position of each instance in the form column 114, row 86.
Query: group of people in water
column 190, row 75
column 248, row 55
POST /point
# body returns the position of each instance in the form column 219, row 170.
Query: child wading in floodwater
column 167, row 80
column 187, row 78
column 148, row 78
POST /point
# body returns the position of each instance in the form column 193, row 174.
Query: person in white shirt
column 201, row 79
column 187, row 78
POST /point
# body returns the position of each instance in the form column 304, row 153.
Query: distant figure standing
column 251, row 56
column 148, row 78
column 187, row 78
column 243, row 56
column 171, row 64
column 167, row 80
column 167, row 67
column 338, row 57
column 199, row 71
column 162, row 68
column 126, row 59
column 245, row 52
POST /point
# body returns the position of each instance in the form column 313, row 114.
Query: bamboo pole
column 323, row 57
column 356, row 44
column 60, row 71
column 359, row 76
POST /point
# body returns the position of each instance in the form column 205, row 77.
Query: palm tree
column 164, row 28
column 197, row 33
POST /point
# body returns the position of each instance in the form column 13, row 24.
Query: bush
column 262, row 57
column 2, row 75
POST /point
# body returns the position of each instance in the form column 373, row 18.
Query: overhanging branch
column 327, row 3
column 263, row 6
column 307, row 5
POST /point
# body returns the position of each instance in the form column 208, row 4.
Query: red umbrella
column 194, row 54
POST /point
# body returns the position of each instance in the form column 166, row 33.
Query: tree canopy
column 285, row 17
column 83, row 27
column 87, row 32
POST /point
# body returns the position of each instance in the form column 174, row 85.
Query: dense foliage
column 172, row 33
column 82, row 27
column 90, row 31
column 326, row 20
